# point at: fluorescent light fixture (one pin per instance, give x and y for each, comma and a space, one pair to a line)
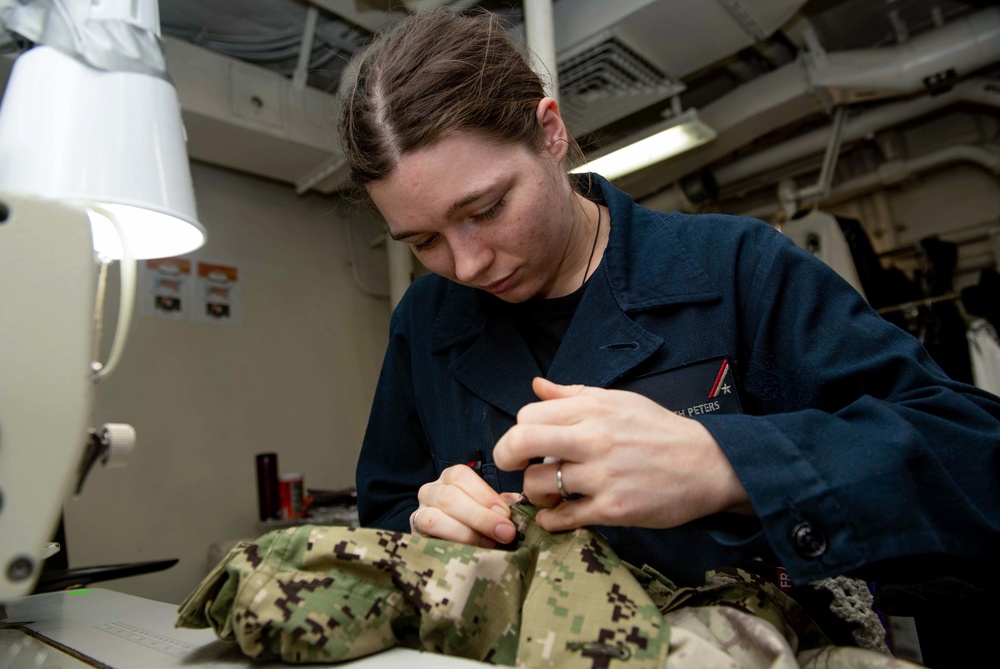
667, 139
109, 141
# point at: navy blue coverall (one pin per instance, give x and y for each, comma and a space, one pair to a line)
852, 444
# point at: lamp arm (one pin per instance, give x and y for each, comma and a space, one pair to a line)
126, 303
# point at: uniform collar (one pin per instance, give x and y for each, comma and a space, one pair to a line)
653, 280
643, 267
645, 262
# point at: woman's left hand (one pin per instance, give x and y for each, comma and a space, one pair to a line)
634, 462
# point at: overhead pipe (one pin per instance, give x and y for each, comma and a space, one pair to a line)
540, 32
822, 187
922, 63
895, 172
796, 91
983, 156
335, 167
976, 91
928, 60
426, 5
790, 195
305, 49
685, 195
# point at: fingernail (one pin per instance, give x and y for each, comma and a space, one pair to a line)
501, 510
505, 532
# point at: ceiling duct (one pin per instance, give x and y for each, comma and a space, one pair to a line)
801, 90
616, 58
760, 166
251, 119
594, 81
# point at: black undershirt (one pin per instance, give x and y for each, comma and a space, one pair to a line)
543, 324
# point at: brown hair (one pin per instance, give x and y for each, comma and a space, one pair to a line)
433, 74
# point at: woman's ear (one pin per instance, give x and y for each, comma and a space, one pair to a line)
553, 128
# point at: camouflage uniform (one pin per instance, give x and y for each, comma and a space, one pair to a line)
326, 594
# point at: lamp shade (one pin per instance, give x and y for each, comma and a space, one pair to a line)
74, 133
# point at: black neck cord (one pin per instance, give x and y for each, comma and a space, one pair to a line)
597, 236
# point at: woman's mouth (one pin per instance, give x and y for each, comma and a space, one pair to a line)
501, 286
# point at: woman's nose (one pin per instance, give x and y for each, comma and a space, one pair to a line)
472, 257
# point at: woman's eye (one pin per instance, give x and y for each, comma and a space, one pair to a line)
426, 243
491, 212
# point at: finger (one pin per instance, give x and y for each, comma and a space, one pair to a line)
563, 405
455, 502
542, 500
512, 498
522, 443
540, 483
570, 515
436, 523
476, 488
547, 390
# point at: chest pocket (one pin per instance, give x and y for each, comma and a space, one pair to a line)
697, 389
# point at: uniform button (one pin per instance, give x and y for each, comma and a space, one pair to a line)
810, 541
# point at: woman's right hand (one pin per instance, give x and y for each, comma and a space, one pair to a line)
460, 506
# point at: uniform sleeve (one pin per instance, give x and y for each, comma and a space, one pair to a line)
867, 451
395, 458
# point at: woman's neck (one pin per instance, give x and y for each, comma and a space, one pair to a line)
584, 247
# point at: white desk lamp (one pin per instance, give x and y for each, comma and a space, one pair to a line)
93, 167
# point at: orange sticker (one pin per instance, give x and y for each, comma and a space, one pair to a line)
170, 265
218, 272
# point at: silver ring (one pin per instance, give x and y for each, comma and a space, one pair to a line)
559, 483
416, 525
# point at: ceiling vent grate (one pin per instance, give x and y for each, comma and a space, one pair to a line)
609, 70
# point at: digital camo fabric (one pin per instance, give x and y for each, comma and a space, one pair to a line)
320, 594
328, 594
314, 594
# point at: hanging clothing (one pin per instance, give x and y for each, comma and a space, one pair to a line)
866, 262
984, 349
943, 329
819, 233
982, 299
328, 594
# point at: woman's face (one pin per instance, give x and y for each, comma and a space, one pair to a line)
488, 215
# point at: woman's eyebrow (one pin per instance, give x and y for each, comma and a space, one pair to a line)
457, 206
402, 235
472, 197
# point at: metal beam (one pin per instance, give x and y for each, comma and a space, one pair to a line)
372, 15
305, 50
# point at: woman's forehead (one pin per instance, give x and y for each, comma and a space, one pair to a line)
436, 180
457, 146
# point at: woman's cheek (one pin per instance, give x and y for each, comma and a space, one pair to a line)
437, 260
